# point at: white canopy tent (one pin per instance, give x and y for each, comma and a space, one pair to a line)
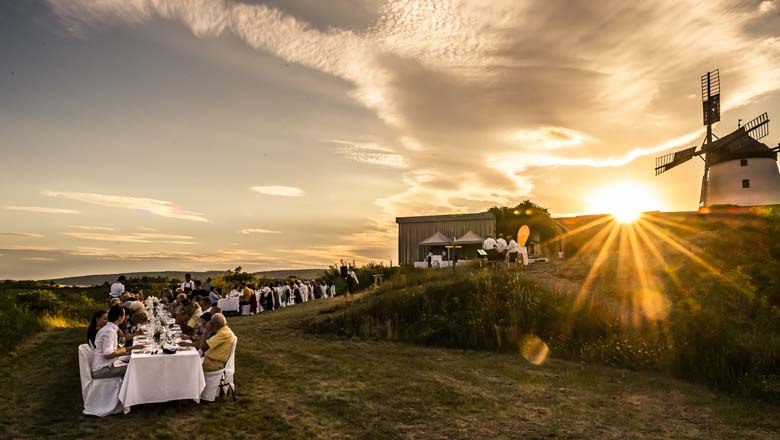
437, 239
470, 238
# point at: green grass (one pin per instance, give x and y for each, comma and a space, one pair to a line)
296, 385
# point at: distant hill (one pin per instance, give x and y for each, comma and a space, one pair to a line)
92, 280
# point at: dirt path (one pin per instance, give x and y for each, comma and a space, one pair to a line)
294, 385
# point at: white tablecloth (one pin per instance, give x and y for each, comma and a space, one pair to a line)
228, 304
162, 377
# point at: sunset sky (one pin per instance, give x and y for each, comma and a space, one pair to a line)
205, 134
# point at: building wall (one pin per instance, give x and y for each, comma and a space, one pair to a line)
725, 183
409, 234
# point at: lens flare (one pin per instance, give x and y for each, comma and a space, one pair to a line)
625, 201
534, 350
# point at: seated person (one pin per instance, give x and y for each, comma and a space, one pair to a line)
184, 314
107, 347
214, 296
218, 346
137, 322
99, 319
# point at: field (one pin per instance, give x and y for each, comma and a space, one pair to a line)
296, 385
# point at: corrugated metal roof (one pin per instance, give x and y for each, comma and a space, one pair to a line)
445, 218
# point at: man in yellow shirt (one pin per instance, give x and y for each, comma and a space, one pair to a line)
219, 345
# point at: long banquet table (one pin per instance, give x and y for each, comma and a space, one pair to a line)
229, 305
153, 378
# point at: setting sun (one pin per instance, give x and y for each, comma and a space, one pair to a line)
625, 201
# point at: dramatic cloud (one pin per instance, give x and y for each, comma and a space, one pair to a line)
278, 190
251, 231
41, 210
145, 205
466, 84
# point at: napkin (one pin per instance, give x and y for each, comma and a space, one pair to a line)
170, 348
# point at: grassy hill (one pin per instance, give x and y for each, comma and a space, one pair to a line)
295, 385
697, 297
93, 280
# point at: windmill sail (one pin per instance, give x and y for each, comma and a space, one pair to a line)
758, 127
710, 96
671, 160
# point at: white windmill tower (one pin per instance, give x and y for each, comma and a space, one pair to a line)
738, 169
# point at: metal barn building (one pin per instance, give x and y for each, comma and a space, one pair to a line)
413, 230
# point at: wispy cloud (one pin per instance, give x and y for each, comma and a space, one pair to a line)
41, 209
92, 228
38, 259
371, 154
250, 231
146, 205
767, 6
21, 234
549, 138
278, 190
133, 238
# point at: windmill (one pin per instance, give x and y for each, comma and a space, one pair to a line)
738, 169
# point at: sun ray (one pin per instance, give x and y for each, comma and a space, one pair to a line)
672, 241
582, 228
600, 258
672, 223
656, 253
597, 238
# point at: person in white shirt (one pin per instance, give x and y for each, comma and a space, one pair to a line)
501, 248
234, 293
304, 291
489, 246
332, 289
512, 250
188, 285
107, 347
118, 288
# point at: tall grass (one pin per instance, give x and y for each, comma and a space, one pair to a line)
25, 312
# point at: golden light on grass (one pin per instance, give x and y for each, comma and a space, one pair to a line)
625, 201
534, 350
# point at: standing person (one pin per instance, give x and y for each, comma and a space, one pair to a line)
304, 291
253, 309
352, 280
489, 246
107, 346
501, 249
512, 250
188, 285
332, 289
118, 288
296, 293
266, 297
207, 285
429, 258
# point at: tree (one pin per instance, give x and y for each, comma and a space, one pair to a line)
536, 217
